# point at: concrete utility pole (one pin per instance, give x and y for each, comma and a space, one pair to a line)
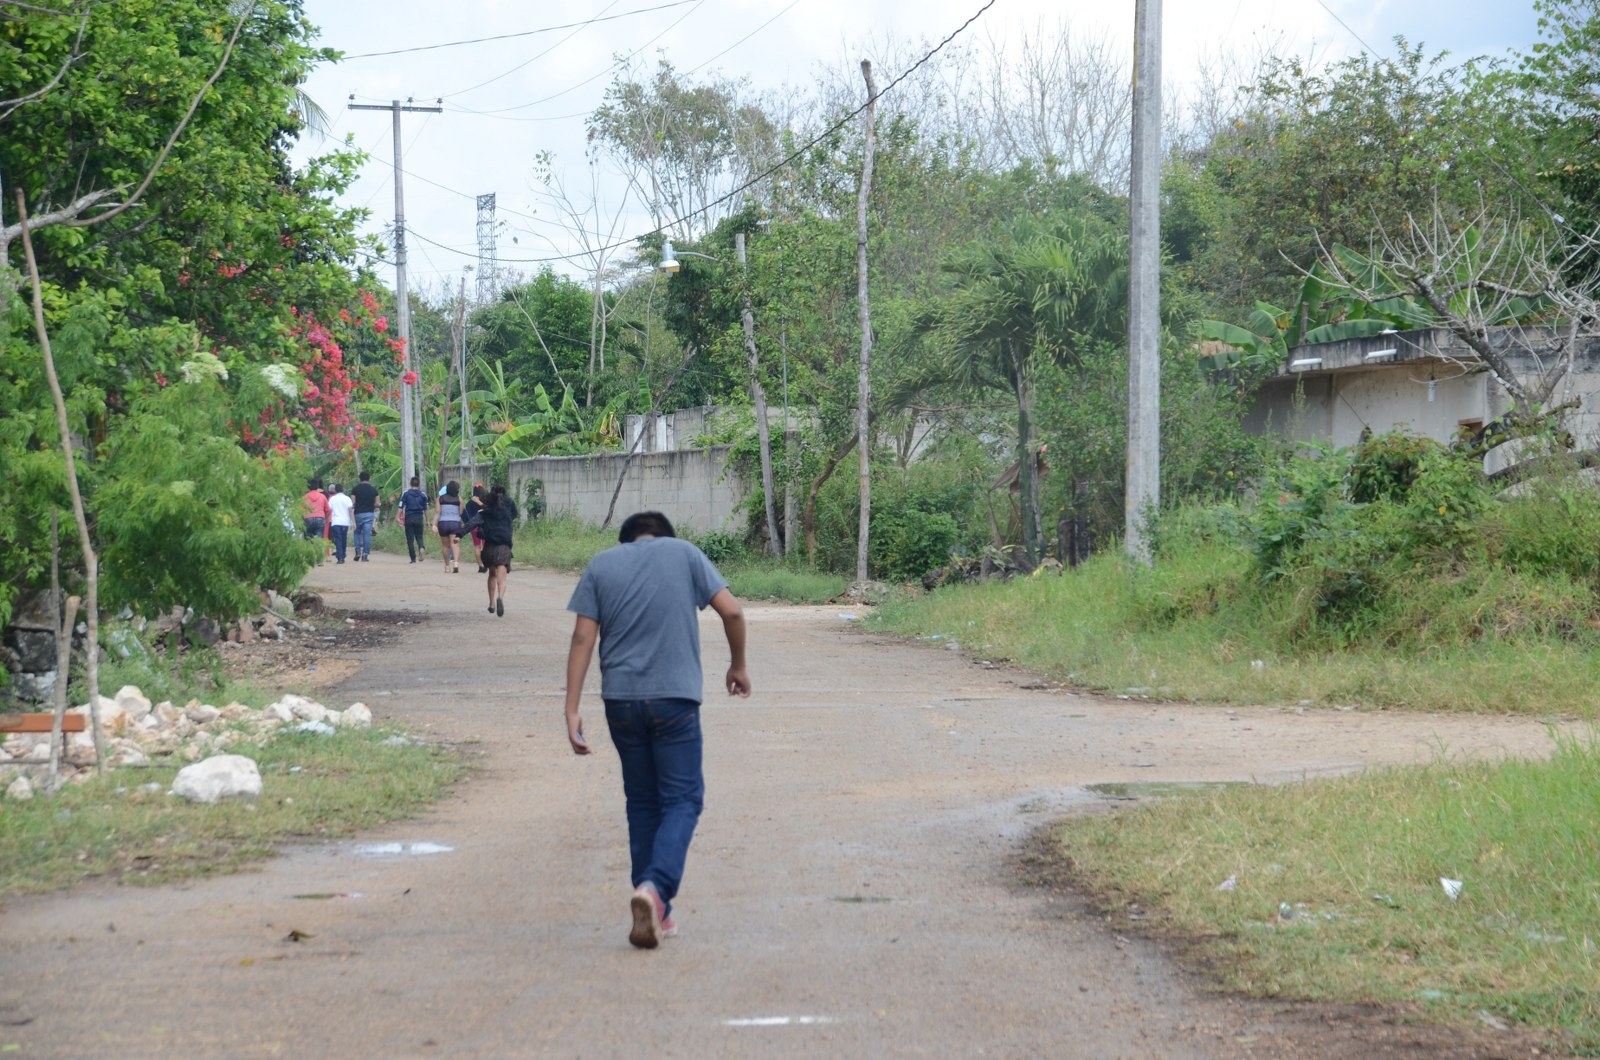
864, 309
410, 406
1144, 285
758, 396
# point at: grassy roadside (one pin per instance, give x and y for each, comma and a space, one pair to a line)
314, 788
1336, 890
1185, 632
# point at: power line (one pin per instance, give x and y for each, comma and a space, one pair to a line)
1346, 26
528, 61
744, 38
520, 33
573, 88
759, 177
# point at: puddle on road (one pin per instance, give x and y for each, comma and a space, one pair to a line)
1159, 789
395, 850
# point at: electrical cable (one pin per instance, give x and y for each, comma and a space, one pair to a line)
573, 88
526, 62
759, 177
521, 33
744, 38
1369, 48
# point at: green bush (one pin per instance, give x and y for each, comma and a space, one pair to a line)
907, 543
720, 547
1385, 465
907, 537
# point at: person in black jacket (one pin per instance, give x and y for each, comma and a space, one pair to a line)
497, 522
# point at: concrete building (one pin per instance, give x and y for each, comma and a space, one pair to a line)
1427, 382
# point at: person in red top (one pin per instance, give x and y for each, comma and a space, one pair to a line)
315, 504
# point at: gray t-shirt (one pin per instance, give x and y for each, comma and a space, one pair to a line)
645, 596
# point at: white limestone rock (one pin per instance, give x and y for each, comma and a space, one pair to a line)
356, 716
202, 713
280, 712
19, 790
135, 705
217, 778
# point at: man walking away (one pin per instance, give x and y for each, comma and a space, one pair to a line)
414, 505
365, 496
640, 600
341, 515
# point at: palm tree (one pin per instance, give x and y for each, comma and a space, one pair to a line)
1041, 291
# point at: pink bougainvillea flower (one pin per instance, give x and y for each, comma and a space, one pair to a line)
380, 325
409, 379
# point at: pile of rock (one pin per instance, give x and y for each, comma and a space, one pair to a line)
137, 732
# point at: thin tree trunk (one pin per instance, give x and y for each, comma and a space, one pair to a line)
611, 509
809, 519
864, 380
66, 611
758, 395
1027, 487
91, 562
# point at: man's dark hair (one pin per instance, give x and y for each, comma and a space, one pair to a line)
644, 524
415, 481
366, 476
313, 483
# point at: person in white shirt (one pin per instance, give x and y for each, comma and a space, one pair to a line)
341, 517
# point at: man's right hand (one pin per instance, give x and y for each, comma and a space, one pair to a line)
738, 682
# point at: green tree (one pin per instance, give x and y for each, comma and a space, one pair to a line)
1047, 294
228, 261
1335, 157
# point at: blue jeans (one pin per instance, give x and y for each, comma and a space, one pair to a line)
659, 743
339, 535
313, 527
364, 521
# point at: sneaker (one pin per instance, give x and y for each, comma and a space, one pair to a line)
668, 928
646, 906
482, 569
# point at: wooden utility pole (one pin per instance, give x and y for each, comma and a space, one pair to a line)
410, 405
758, 395
1143, 495
864, 379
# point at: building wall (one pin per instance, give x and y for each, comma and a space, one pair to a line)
1382, 383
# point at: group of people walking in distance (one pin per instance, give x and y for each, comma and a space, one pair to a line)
486, 517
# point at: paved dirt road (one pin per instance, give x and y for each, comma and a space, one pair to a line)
850, 891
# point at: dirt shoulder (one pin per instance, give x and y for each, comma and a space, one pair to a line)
855, 886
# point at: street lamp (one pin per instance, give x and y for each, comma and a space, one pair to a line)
669, 258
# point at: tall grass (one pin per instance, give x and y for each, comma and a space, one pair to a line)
1202, 626
1337, 893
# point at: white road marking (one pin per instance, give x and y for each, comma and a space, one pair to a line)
777, 1021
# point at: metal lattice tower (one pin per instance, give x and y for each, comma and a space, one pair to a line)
488, 266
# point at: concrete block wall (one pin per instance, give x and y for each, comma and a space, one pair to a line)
692, 487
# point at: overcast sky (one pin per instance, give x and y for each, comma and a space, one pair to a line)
507, 99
